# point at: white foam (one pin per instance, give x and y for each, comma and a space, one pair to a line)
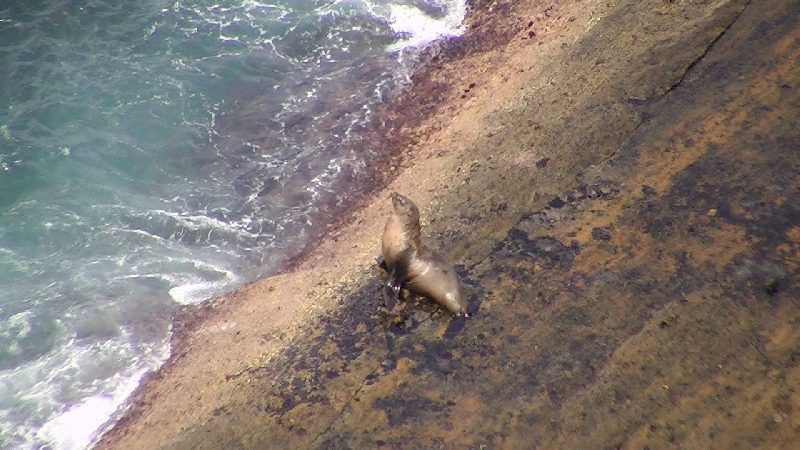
203, 222
421, 29
190, 293
189, 289
76, 428
45, 388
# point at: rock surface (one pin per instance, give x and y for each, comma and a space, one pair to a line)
618, 184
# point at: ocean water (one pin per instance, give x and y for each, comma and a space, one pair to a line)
158, 153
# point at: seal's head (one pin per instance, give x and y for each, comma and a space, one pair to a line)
405, 207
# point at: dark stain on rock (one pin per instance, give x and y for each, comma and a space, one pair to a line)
582, 192
576, 316
300, 377
713, 187
764, 277
648, 192
405, 407
545, 250
601, 234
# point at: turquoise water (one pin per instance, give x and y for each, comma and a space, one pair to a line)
158, 153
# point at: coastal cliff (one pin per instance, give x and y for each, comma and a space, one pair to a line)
618, 184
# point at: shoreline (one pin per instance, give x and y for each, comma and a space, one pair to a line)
393, 131
406, 109
529, 144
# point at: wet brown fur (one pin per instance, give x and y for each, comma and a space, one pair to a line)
425, 272
401, 236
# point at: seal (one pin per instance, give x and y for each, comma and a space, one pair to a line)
401, 241
414, 266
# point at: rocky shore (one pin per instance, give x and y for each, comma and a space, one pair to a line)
618, 183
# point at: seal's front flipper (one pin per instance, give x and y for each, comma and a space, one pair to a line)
391, 287
389, 300
396, 278
391, 291
396, 290
389, 296
382, 263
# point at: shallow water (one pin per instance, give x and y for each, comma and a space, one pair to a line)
159, 153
